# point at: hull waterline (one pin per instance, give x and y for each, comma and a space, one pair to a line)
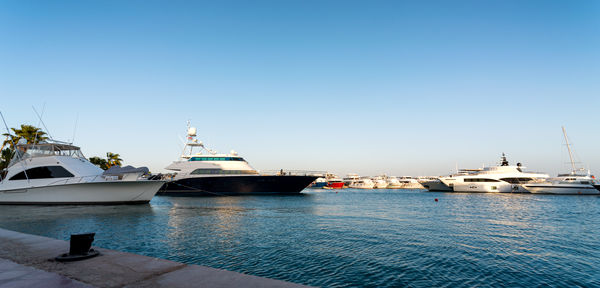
110, 192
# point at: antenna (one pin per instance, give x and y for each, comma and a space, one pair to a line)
16, 151
7, 130
37, 131
570, 152
75, 128
40, 117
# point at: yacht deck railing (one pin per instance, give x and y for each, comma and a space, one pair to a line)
75, 180
283, 172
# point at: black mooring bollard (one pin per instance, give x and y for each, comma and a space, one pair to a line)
81, 243
79, 248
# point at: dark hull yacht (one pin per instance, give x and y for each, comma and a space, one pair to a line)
208, 173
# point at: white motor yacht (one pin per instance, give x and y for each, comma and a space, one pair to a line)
570, 184
379, 182
409, 183
502, 178
434, 184
362, 183
393, 183
54, 172
350, 179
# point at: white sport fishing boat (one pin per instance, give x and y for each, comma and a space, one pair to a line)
55, 172
568, 184
502, 178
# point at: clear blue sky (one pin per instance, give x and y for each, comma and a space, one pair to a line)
396, 87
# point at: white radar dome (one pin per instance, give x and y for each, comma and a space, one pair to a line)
192, 131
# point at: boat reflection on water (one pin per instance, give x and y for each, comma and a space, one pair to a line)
223, 216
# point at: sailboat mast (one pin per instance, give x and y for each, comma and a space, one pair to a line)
570, 152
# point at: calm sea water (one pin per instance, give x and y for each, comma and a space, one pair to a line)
377, 238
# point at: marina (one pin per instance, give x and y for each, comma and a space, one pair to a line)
359, 231
299, 144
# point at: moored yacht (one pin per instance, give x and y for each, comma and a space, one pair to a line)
207, 172
379, 182
328, 181
572, 183
409, 183
435, 185
501, 178
333, 181
320, 182
55, 172
362, 183
393, 183
350, 179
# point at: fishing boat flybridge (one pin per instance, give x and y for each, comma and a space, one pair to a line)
206, 173
54, 172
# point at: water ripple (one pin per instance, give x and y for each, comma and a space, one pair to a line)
353, 238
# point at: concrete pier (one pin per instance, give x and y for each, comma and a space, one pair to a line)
27, 261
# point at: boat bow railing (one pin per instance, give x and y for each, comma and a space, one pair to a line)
282, 172
75, 180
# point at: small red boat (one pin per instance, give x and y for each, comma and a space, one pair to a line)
335, 184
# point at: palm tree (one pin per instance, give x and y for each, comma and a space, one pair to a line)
5, 157
30, 133
113, 159
99, 162
10, 140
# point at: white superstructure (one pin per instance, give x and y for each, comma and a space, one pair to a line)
501, 178
362, 183
407, 182
350, 179
198, 161
379, 182
393, 183
54, 172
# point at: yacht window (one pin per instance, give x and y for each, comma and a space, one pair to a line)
516, 180
43, 173
219, 171
480, 180
216, 159
585, 182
